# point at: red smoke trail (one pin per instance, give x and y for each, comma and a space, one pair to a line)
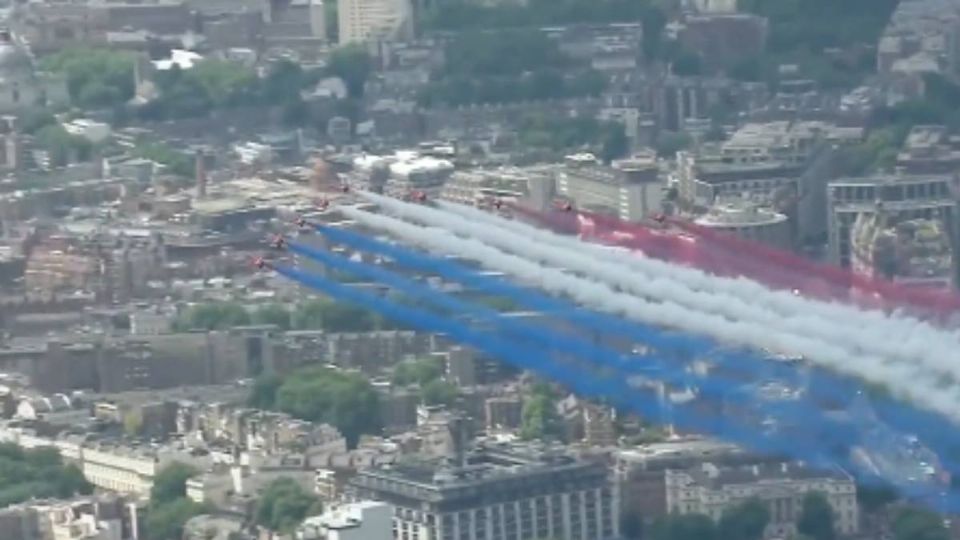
784, 270
557, 221
894, 294
725, 255
690, 250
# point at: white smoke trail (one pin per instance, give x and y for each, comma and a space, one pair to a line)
873, 332
901, 379
890, 343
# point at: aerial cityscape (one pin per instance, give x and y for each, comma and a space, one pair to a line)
479, 269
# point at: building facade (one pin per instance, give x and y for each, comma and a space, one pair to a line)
903, 197
502, 493
711, 491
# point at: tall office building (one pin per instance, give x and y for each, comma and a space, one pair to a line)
361, 21
502, 492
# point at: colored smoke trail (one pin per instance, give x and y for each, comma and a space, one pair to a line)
651, 367
709, 256
868, 332
685, 249
616, 390
804, 270
824, 386
899, 377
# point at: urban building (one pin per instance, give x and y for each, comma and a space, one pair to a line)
929, 150
101, 517
711, 490
498, 491
921, 32
481, 187
903, 197
503, 413
915, 252
749, 221
362, 21
640, 472
631, 189
365, 520
785, 164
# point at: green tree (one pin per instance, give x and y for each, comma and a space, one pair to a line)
213, 316
344, 400
263, 393
420, 371
816, 517
874, 498
615, 143
175, 162
95, 77
803, 32
332, 316
539, 419
687, 64
746, 521
684, 527
170, 483
63, 147
284, 505
504, 66
34, 120
133, 423
36, 474
439, 392
631, 525
919, 524
461, 15
668, 144
283, 83
353, 64
166, 521
275, 314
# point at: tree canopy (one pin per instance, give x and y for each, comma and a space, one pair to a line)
171, 483
746, 521
607, 139
464, 14
420, 371
96, 77
919, 524
283, 505
353, 64
816, 517
318, 394
539, 418
807, 33
62, 146
332, 316
175, 162
166, 521
684, 527
40, 473
213, 316
439, 392
275, 314
504, 66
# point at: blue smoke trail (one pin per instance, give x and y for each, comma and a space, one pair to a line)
829, 387
842, 433
616, 390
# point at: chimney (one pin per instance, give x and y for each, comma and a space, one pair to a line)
201, 174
